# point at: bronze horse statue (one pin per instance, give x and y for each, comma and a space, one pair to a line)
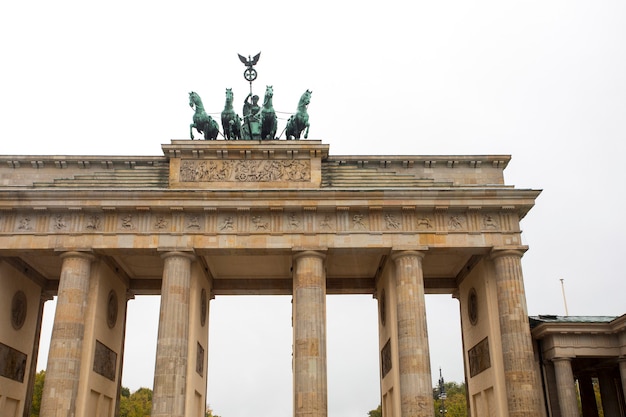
202, 122
299, 121
231, 123
269, 122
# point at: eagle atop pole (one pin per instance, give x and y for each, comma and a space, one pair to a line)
250, 73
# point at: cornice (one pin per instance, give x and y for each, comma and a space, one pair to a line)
475, 198
544, 330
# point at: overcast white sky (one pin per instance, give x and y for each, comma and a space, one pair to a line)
543, 81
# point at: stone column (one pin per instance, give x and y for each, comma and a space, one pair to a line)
170, 372
622, 373
35, 354
416, 395
309, 335
608, 392
517, 349
66, 344
551, 391
587, 396
566, 387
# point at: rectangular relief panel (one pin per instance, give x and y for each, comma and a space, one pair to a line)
12, 363
104, 361
479, 358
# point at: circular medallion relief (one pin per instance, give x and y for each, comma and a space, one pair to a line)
112, 309
383, 307
203, 307
18, 310
472, 306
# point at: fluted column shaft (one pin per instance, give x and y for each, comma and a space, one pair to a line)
309, 334
66, 344
566, 387
517, 350
170, 373
416, 395
587, 396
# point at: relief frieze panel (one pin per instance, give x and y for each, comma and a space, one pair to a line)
245, 220
245, 171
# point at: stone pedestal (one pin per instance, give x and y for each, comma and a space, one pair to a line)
170, 373
66, 345
566, 387
517, 350
309, 335
416, 398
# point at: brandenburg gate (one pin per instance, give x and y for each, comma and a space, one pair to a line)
213, 218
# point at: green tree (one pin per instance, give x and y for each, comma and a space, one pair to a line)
378, 412
209, 412
37, 393
137, 404
455, 402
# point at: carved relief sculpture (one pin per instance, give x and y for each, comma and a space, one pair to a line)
259, 224
424, 222
93, 222
245, 171
391, 221
455, 223
489, 222
357, 221
160, 223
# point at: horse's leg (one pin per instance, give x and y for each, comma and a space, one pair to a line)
306, 134
288, 128
191, 126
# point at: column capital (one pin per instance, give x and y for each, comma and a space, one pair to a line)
319, 253
400, 253
169, 254
561, 359
78, 254
499, 251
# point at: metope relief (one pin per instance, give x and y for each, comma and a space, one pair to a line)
489, 222
456, 222
294, 222
227, 224
392, 222
326, 222
359, 221
93, 222
260, 224
25, 224
192, 222
127, 222
424, 223
59, 222
160, 222
246, 171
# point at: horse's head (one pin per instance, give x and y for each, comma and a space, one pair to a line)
229, 95
306, 98
269, 93
194, 99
